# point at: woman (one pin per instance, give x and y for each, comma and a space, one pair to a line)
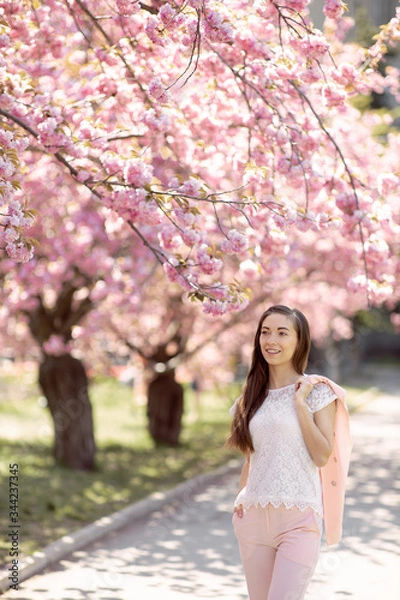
293, 430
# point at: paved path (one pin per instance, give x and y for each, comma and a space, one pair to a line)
367, 565
187, 548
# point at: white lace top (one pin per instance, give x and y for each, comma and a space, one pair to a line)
281, 468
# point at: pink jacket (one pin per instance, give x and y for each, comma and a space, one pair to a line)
334, 473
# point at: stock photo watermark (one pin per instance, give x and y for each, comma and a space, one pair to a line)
14, 525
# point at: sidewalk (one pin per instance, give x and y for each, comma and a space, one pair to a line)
367, 564
186, 548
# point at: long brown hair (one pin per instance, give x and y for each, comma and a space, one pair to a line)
257, 381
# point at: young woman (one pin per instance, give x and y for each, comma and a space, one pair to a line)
293, 430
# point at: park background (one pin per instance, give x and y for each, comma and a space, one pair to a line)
100, 337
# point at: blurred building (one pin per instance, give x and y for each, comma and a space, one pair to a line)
378, 11
368, 16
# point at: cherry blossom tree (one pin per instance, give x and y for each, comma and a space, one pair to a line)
203, 124
15, 218
215, 139
76, 264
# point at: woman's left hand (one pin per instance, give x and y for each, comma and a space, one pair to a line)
302, 389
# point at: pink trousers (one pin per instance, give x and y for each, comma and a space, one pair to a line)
279, 549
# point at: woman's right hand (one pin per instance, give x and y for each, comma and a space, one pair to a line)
238, 510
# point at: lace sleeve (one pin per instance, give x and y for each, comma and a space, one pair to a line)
321, 396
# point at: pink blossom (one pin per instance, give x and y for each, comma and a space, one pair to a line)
6, 138
297, 5
206, 261
347, 203
342, 328
346, 74
6, 191
305, 223
377, 251
333, 9
77, 58
215, 308
343, 26
357, 283
196, 3
106, 57
48, 126
191, 187
185, 218
125, 202
246, 118
149, 212
380, 291
112, 163
219, 291
235, 242
395, 319
171, 270
160, 120
137, 172
152, 31
56, 346
216, 28
128, 7
83, 175
158, 91
4, 40
283, 165
311, 74
169, 237
333, 96
7, 169
19, 252
14, 216
191, 26
107, 86
190, 237
387, 182
238, 303
313, 46
86, 130
11, 234
249, 269
167, 14
51, 135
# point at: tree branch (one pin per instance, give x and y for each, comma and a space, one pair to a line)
348, 171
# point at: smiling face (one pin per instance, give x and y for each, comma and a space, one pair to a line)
278, 340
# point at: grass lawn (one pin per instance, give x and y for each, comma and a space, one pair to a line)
54, 501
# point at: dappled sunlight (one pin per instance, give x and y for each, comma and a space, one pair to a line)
56, 500
373, 508
187, 548
372, 514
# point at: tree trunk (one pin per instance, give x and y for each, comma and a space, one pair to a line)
65, 385
165, 408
